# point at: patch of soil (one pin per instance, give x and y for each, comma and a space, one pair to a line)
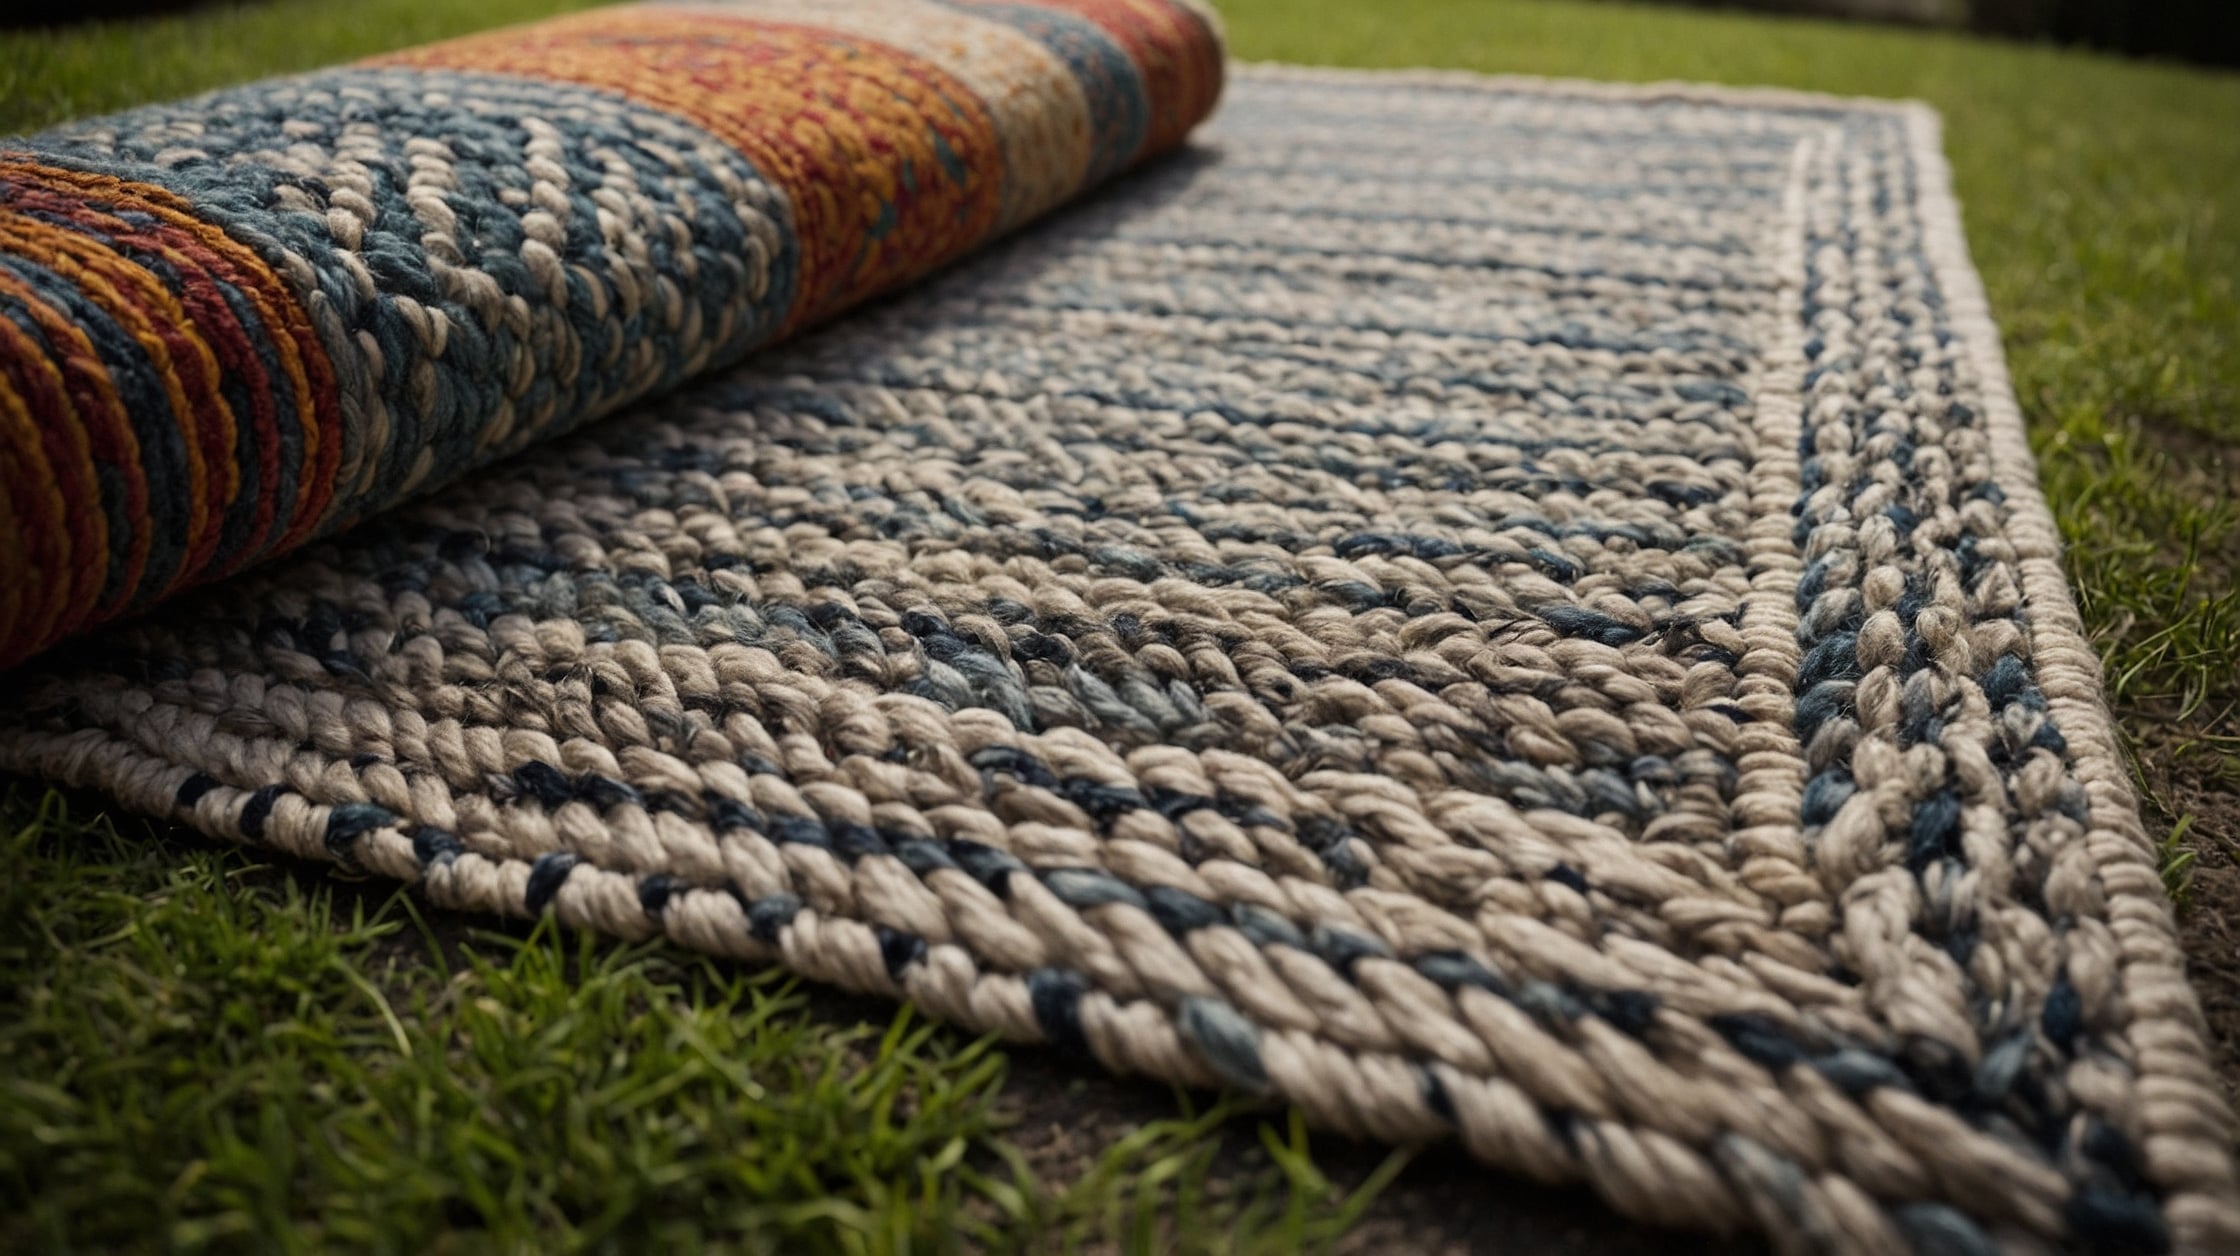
2191, 449
2185, 778
2187, 764
2204, 468
1442, 1204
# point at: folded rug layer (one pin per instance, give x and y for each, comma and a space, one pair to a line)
242, 321
1497, 610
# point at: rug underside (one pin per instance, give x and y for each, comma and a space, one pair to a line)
1489, 610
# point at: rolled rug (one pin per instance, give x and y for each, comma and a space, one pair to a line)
239, 322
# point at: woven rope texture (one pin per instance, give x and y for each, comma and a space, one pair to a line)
1493, 611
247, 320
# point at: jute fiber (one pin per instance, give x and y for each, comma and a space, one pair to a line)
238, 323
1494, 611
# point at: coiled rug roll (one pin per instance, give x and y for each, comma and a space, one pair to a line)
247, 320
1491, 610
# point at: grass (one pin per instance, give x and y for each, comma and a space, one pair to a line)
197, 1049
204, 1051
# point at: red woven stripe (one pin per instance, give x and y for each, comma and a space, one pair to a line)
1179, 59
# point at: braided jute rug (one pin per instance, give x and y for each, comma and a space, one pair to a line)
1492, 610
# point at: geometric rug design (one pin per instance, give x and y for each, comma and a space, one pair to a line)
1493, 610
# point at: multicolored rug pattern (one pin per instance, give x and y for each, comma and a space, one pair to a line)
240, 322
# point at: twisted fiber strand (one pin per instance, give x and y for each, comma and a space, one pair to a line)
2188, 1129
1300, 677
254, 318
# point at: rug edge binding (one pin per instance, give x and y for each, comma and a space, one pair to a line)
2196, 1172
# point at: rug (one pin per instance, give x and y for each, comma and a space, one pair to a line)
1499, 612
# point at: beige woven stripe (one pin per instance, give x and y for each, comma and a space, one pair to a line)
1037, 104
2177, 1108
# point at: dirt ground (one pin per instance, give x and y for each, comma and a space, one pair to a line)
1442, 1204
2200, 783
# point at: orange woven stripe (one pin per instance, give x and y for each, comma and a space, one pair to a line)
1180, 62
196, 248
99, 413
24, 507
893, 165
140, 304
70, 530
287, 328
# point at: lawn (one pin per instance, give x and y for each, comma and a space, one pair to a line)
199, 1048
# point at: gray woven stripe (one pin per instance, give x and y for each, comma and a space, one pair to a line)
1488, 610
